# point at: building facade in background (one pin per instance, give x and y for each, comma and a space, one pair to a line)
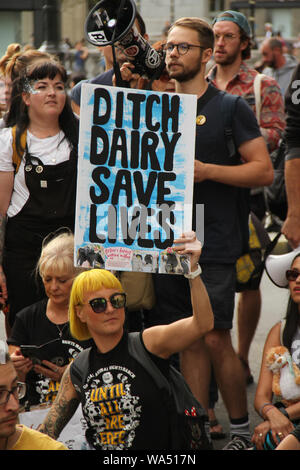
23, 21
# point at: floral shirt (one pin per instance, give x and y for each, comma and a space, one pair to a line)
272, 115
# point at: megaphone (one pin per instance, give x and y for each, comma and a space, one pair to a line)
277, 265
112, 22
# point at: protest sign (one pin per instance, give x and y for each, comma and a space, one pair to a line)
135, 178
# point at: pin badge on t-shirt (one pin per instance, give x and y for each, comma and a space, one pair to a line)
200, 120
39, 169
28, 168
43, 184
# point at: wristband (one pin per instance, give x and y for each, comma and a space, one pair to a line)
262, 407
270, 405
194, 274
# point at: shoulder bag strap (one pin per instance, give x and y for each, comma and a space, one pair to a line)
15, 157
257, 94
137, 350
80, 367
228, 104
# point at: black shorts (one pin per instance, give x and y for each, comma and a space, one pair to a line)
173, 300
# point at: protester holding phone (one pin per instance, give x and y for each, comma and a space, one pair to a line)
45, 324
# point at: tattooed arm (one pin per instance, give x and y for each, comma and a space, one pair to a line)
63, 408
6, 187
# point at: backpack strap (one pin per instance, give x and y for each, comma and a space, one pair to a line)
79, 367
136, 349
228, 105
15, 157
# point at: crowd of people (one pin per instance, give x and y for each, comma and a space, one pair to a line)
49, 303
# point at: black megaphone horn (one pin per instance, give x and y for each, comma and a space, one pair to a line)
111, 22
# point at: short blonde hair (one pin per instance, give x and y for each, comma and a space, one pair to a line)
57, 256
88, 281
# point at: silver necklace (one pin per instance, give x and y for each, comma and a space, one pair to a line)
61, 330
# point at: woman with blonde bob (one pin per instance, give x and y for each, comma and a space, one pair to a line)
117, 394
88, 281
46, 323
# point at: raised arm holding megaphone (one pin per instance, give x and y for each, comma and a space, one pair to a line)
111, 22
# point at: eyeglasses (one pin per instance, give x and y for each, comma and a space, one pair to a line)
18, 392
292, 274
182, 48
117, 300
228, 37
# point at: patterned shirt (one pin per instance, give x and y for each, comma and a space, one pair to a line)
272, 115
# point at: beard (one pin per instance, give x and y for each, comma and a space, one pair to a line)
228, 58
184, 74
270, 63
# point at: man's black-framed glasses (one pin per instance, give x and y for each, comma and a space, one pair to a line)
18, 391
182, 48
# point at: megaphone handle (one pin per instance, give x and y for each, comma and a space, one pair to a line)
119, 80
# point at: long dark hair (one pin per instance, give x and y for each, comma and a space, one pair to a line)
292, 320
18, 113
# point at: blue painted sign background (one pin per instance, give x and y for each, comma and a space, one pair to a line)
135, 178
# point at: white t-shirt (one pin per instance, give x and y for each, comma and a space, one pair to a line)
51, 151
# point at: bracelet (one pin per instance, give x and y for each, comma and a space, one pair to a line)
194, 274
271, 406
262, 407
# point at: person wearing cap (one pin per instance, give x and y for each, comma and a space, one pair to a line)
14, 436
233, 75
279, 420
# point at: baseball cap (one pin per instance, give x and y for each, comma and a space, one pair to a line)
237, 18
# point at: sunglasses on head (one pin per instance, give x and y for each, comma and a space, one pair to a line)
117, 300
292, 274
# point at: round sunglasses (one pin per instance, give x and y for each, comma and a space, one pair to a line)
99, 304
292, 274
